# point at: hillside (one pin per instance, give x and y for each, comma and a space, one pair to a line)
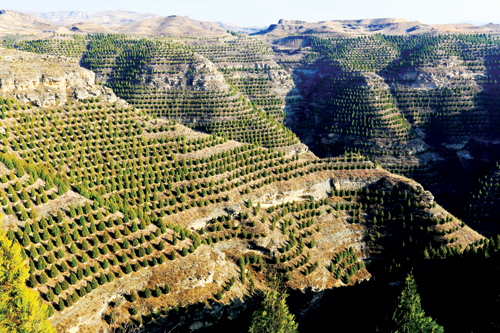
429, 115
14, 22
175, 172
492, 26
82, 27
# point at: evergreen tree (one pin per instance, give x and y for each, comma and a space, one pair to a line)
147, 293
94, 284
26, 240
69, 301
157, 292
43, 278
409, 317
53, 271
50, 295
133, 296
162, 259
273, 315
103, 279
73, 279
61, 304
33, 283
57, 289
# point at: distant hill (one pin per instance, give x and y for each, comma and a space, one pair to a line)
478, 23
108, 22
390, 26
15, 22
57, 16
237, 28
129, 22
492, 26
17, 19
89, 27
104, 18
172, 26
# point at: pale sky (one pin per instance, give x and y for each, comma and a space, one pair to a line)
265, 12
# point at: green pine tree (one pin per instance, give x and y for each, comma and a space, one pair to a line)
409, 317
50, 295
133, 296
157, 292
273, 315
33, 283
61, 304
147, 293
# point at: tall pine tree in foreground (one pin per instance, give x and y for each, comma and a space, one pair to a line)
273, 316
409, 316
21, 309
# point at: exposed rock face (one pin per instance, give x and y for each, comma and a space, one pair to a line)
443, 76
46, 81
200, 76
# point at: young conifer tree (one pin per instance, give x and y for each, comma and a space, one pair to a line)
273, 316
409, 316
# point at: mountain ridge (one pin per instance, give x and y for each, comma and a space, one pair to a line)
390, 26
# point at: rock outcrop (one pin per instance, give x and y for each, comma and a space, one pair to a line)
450, 72
47, 81
201, 75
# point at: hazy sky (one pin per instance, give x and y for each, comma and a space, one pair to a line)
265, 12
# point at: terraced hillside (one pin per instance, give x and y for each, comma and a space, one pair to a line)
107, 198
419, 105
480, 205
224, 86
170, 201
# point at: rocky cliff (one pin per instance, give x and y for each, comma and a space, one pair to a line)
47, 81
